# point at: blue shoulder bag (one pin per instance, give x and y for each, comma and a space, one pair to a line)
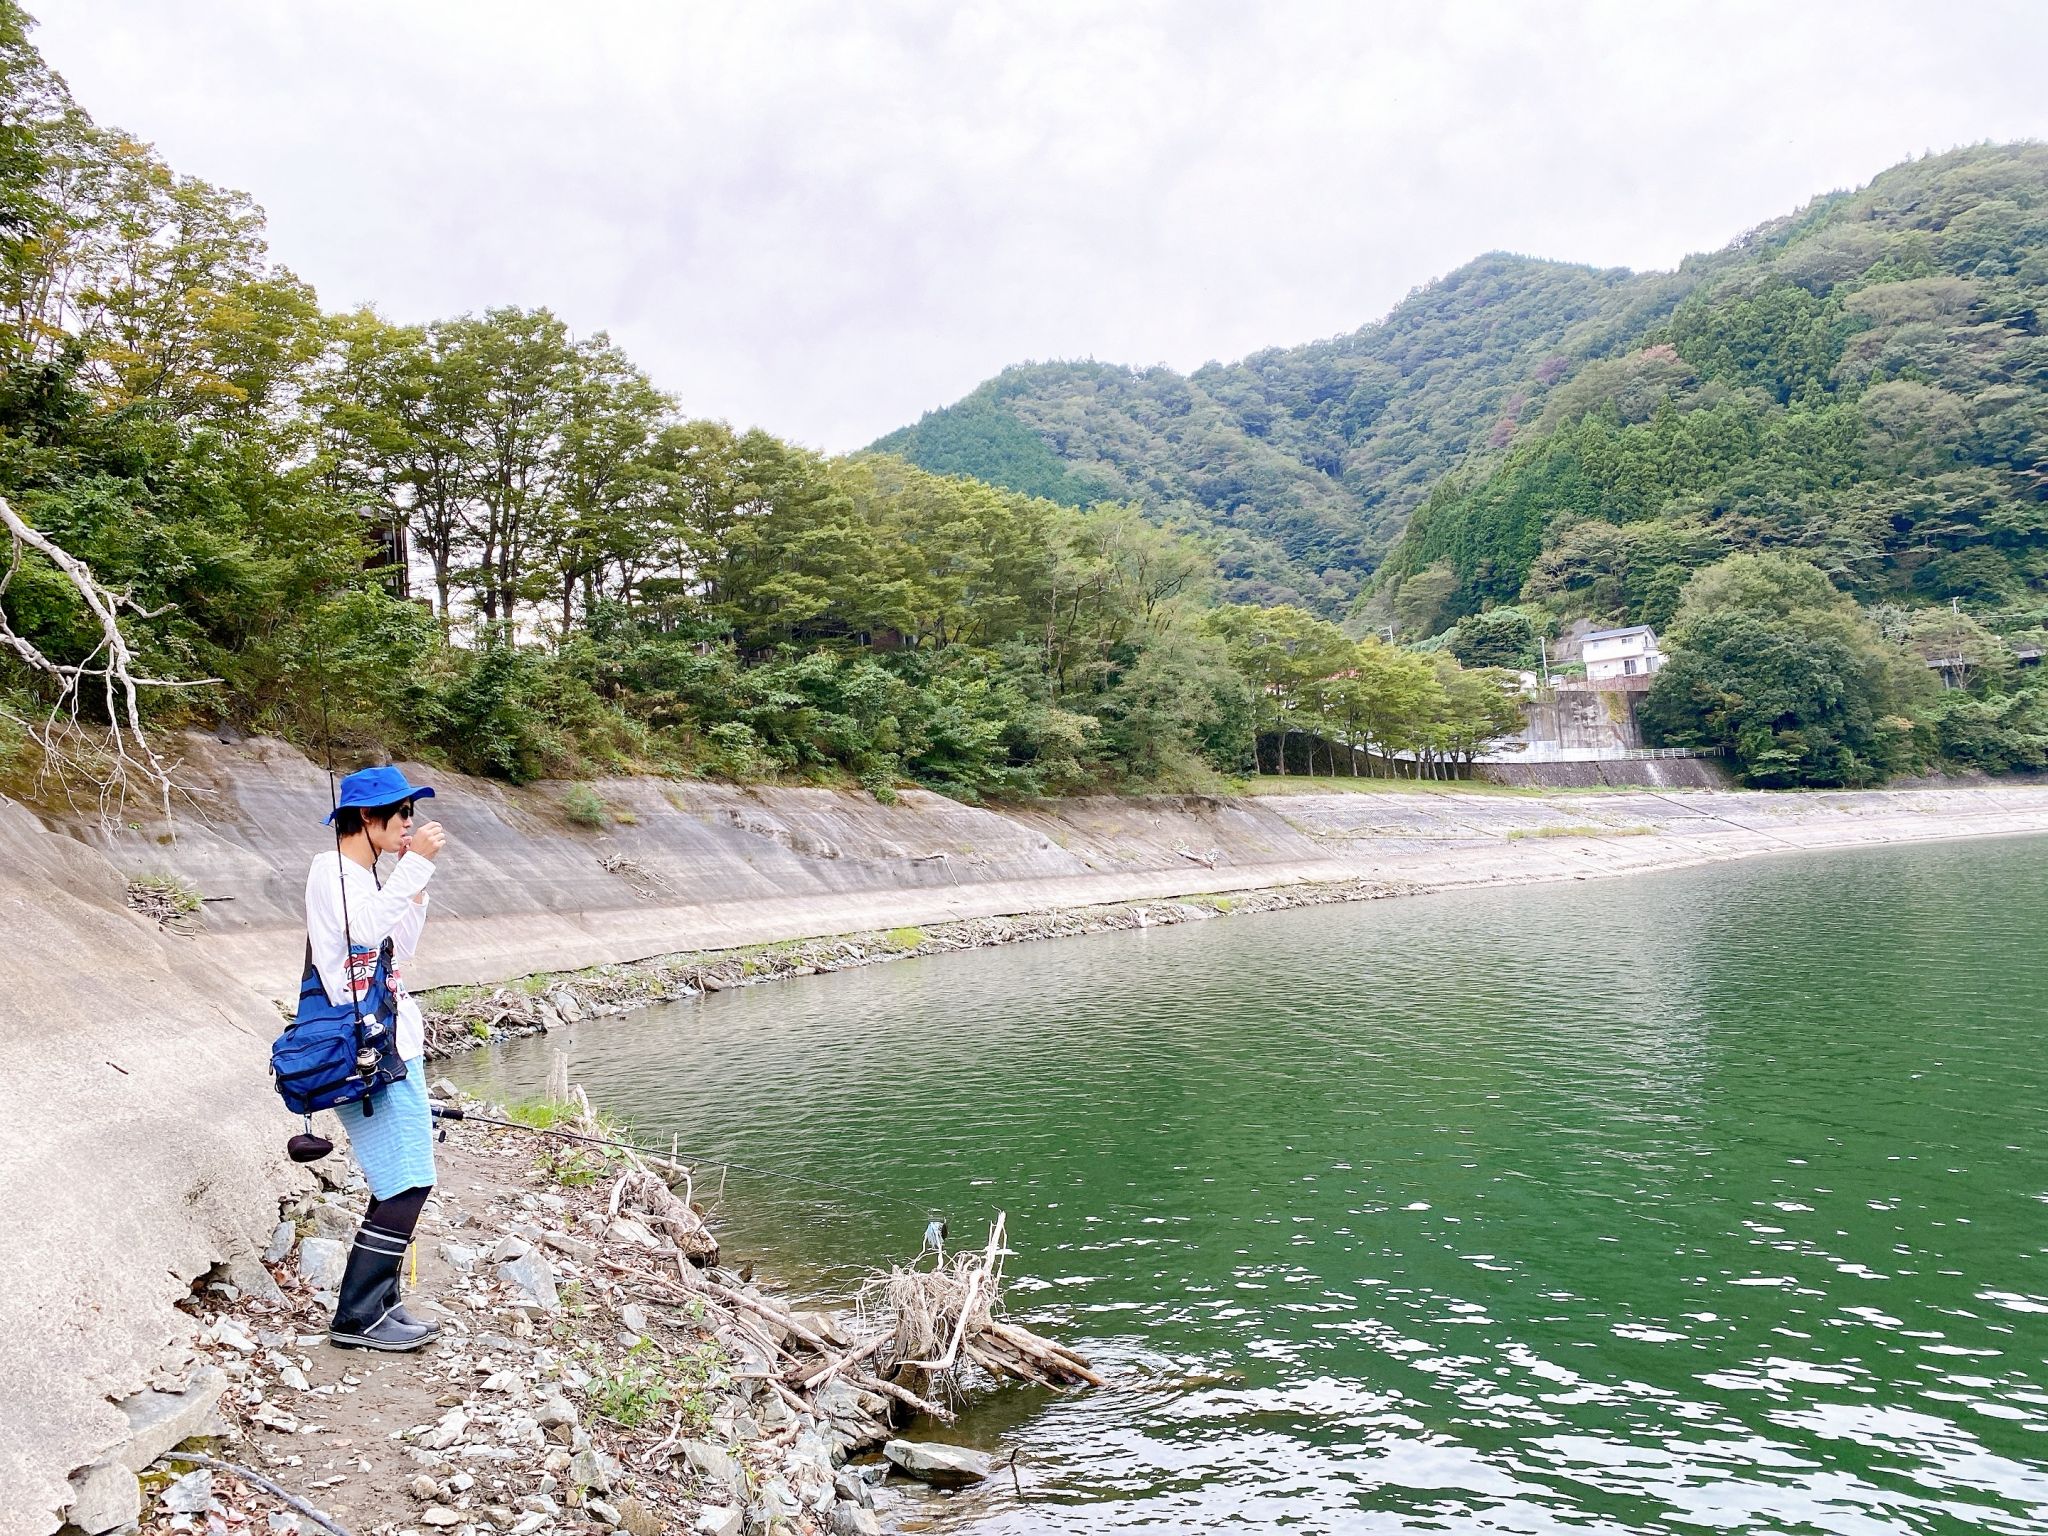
338, 1053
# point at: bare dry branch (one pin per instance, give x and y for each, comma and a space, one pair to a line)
115, 756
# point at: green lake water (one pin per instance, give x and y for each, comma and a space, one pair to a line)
1709, 1200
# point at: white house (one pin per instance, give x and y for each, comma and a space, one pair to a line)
1630, 652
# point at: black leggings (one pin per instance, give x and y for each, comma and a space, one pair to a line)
400, 1213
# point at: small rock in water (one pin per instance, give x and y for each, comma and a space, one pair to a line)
943, 1466
852, 1520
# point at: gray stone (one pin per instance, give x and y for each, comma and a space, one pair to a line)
775, 1502
104, 1498
720, 1522
851, 1488
943, 1466
566, 1005
330, 1218
715, 1466
446, 1431
749, 1356
809, 1463
249, 1276
633, 1317
281, 1242
532, 1280
577, 1248
592, 1468
853, 1520
161, 1421
600, 1510
444, 1090
555, 1410
191, 1494
322, 1262
229, 1332
457, 1257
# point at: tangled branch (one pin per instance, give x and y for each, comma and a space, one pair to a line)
115, 757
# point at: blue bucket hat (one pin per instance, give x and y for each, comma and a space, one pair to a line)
378, 786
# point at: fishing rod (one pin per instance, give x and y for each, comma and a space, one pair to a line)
455, 1112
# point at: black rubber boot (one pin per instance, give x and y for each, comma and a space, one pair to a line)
427, 1325
366, 1312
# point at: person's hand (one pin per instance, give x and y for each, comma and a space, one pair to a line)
427, 839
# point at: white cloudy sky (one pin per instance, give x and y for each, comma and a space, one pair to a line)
825, 218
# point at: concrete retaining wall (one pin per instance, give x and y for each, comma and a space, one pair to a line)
140, 1144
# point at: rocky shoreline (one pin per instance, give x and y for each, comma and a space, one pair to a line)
590, 1381
462, 1018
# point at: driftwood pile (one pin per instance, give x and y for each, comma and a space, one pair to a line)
915, 1338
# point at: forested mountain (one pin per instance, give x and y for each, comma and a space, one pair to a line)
1864, 383
1861, 381
1299, 466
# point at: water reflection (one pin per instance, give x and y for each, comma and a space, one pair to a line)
1706, 1199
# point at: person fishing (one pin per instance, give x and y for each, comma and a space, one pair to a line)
350, 917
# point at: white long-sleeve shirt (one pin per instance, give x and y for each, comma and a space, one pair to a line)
375, 913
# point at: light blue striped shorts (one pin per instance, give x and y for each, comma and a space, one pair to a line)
395, 1146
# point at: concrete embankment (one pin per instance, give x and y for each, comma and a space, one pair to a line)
141, 1144
688, 866
138, 1149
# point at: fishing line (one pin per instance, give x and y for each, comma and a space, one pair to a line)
454, 1112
